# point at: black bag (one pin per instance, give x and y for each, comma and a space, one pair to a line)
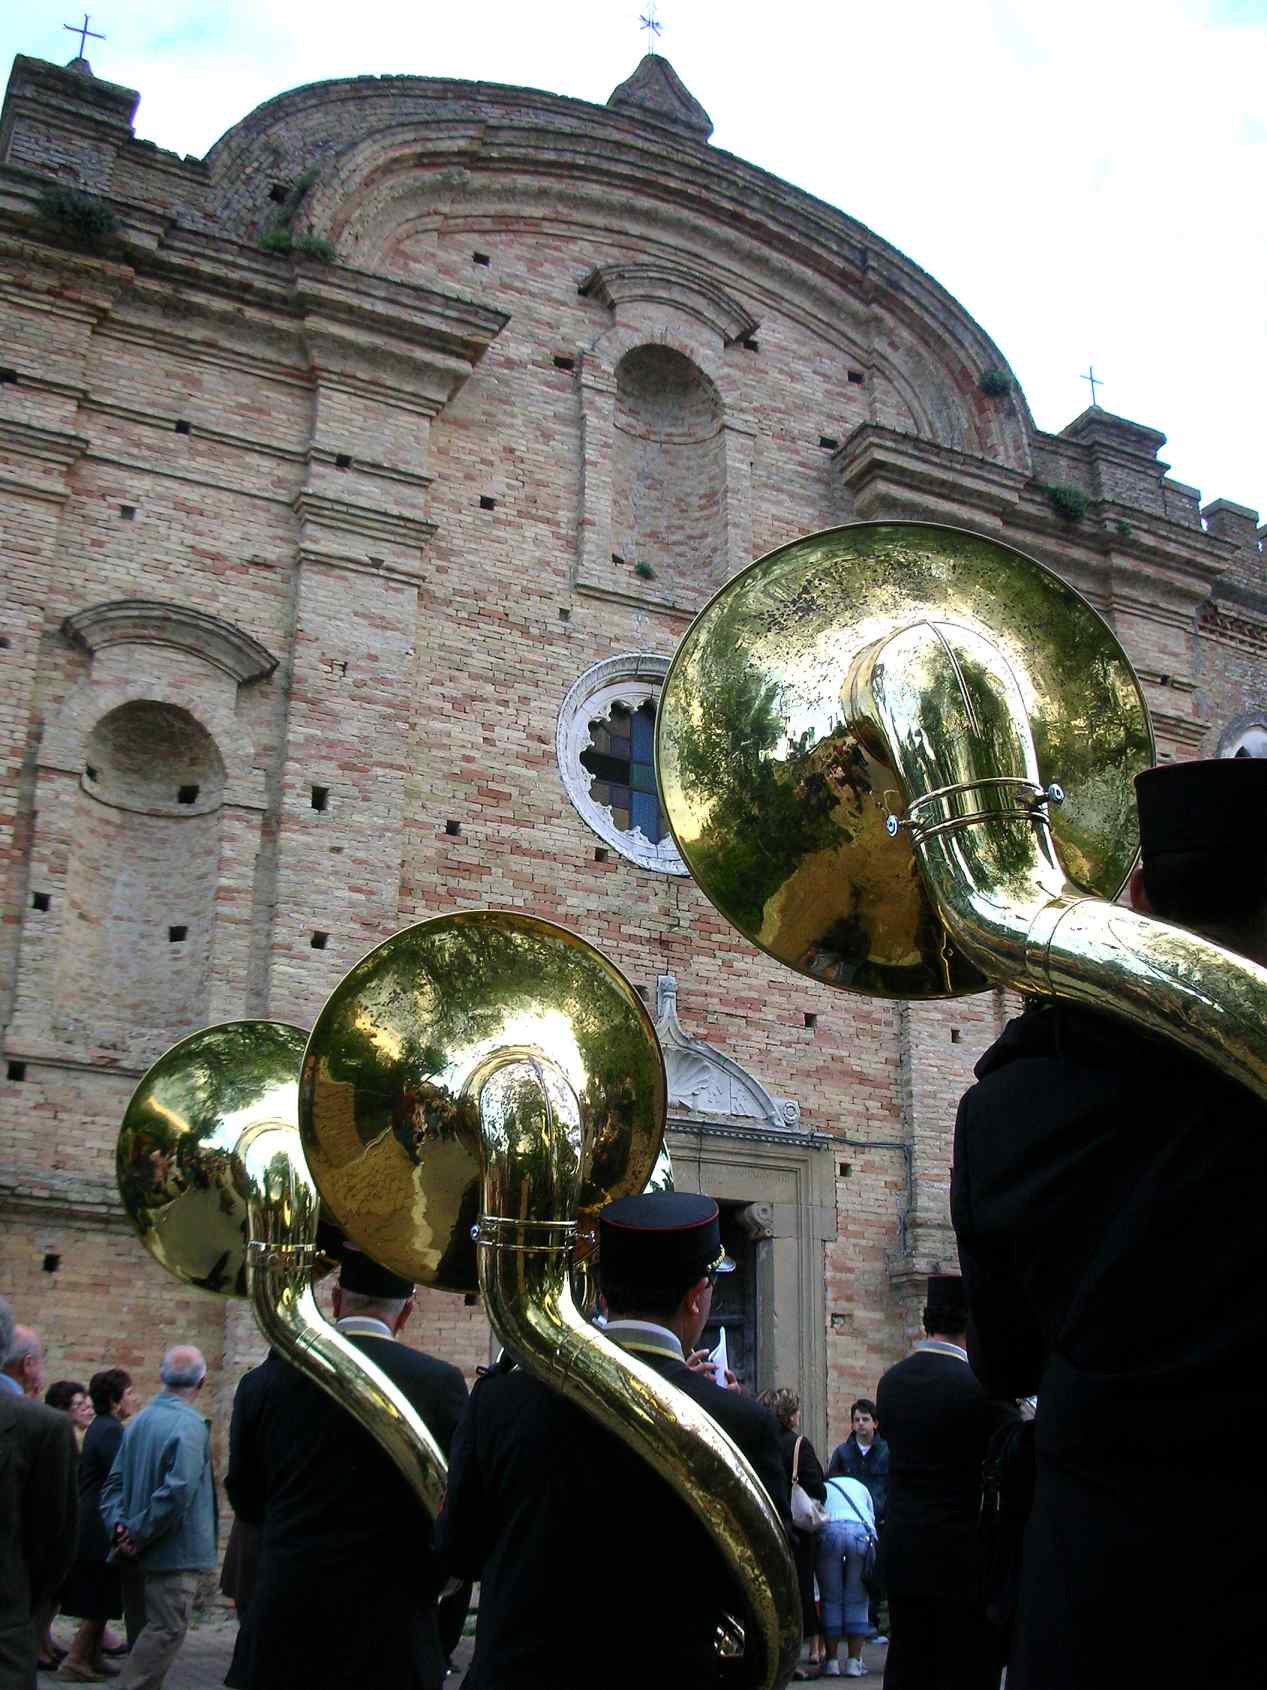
1007, 1496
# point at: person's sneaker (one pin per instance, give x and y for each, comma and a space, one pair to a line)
881, 1642
831, 1670
854, 1669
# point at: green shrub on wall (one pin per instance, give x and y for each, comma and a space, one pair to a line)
83, 219
1069, 503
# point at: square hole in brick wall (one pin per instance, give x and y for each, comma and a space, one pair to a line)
177, 935
187, 795
487, 502
342, 460
828, 442
811, 1019
16, 1071
52, 1261
601, 853
89, 772
846, 1169
750, 345
183, 427
481, 258
955, 1035
128, 512
278, 192
7, 375
452, 829
562, 362
5, 642
319, 941
320, 797
856, 378
41, 901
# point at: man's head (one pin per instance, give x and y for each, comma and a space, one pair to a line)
183, 1370
946, 1311
1202, 861
659, 1255
862, 1418
24, 1359
371, 1291
112, 1391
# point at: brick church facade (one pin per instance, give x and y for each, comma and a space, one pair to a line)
358, 482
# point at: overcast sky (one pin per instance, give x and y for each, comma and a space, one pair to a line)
1086, 177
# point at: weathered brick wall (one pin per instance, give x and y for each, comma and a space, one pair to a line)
393, 483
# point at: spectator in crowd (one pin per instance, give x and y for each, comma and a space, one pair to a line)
802, 1465
37, 1510
1102, 1197
24, 1370
99, 1590
159, 1506
72, 1398
938, 1421
864, 1456
845, 1545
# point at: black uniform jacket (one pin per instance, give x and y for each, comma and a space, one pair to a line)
345, 1589
1104, 1195
593, 1570
38, 1509
938, 1420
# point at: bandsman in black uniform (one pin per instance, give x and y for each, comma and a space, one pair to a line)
593, 1569
346, 1583
938, 1420
1104, 1193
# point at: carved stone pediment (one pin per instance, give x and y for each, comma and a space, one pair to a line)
704, 1082
674, 288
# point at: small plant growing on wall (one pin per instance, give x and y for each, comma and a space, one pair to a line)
994, 383
281, 236
1069, 503
1123, 529
82, 219
644, 571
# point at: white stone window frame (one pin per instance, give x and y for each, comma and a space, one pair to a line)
631, 678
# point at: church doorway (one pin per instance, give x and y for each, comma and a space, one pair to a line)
735, 1302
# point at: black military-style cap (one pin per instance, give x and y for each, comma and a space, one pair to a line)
660, 1238
1214, 808
947, 1302
362, 1274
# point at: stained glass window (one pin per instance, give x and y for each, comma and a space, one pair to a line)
621, 759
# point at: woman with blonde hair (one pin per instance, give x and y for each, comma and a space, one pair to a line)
803, 1465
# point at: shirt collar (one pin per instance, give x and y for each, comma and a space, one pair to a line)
363, 1326
647, 1337
10, 1384
942, 1347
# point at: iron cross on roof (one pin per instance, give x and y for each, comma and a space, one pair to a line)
1093, 379
83, 32
651, 24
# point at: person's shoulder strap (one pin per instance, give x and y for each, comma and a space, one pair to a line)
853, 1506
796, 1458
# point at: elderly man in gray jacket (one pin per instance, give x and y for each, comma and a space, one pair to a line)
159, 1504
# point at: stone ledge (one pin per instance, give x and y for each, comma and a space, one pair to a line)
150, 622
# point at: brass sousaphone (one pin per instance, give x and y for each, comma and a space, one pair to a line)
898, 757
213, 1179
473, 1092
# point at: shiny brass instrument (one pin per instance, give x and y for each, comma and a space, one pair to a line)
473, 1092
899, 757
213, 1178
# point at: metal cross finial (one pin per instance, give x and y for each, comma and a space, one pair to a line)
649, 22
1093, 379
82, 31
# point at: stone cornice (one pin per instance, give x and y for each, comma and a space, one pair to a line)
149, 622
674, 286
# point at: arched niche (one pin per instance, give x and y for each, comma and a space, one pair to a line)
141, 880
148, 813
668, 471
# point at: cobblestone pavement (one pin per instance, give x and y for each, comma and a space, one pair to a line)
204, 1658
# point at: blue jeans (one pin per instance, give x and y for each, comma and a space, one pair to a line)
841, 1547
